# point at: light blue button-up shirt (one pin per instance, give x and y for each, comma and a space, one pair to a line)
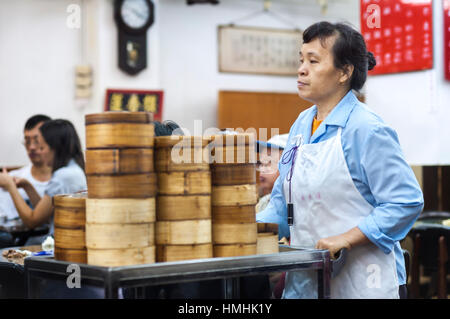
378, 169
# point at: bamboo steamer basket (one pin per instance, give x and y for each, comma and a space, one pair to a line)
72, 255
121, 257
120, 211
233, 214
119, 161
181, 153
234, 195
234, 233
233, 149
117, 236
119, 130
165, 253
69, 222
184, 183
122, 186
172, 208
267, 242
69, 238
234, 250
183, 232
233, 174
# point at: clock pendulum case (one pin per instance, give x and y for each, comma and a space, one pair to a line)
133, 18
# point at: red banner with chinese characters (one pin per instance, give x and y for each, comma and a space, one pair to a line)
447, 38
399, 33
135, 101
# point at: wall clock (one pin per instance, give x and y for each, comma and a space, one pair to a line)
133, 18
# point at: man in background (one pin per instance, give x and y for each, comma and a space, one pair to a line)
269, 155
37, 173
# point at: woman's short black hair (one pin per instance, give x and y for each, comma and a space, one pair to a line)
63, 139
349, 49
166, 128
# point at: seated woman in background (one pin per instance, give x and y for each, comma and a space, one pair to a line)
60, 148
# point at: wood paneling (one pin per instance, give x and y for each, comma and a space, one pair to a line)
259, 110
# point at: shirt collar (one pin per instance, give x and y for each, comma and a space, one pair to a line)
339, 115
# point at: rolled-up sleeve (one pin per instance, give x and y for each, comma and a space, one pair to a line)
398, 197
275, 212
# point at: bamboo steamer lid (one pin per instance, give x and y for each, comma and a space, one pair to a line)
233, 149
165, 253
181, 153
70, 210
122, 186
121, 257
170, 208
184, 183
234, 195
71, 255
116, 236
119, 161
234, 233
233, 174
183, 232
120, 210
69, 238
119, 129
233, 214
267, 238
233, 250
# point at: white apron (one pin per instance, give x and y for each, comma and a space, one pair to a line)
327, 203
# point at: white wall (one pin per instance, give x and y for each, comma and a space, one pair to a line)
38, 54
189, 57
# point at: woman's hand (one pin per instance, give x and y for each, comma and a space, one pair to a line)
334, 244
6, 180
354, 237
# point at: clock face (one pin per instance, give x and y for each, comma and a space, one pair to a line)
135, 13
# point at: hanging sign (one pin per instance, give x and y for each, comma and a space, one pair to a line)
399, 33
447, 38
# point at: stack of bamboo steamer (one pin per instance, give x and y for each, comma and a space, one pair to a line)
234, 195
69, 232
183, 204
120, 208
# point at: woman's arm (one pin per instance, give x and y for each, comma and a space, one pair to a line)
29, 189
30, 217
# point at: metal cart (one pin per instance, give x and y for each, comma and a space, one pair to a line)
227, 269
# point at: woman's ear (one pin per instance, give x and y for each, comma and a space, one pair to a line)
346, 74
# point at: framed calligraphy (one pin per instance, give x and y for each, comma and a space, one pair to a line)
135, 101
258, 50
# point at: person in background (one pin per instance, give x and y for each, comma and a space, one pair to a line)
269, 155
37, 173
344, 182
59, 148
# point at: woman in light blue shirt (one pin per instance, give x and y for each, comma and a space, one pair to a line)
60, 148
348, 185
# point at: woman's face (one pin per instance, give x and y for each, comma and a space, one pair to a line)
318, 79
44, 151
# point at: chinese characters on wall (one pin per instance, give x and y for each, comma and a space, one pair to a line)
258, 50
399, 34
135, 101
